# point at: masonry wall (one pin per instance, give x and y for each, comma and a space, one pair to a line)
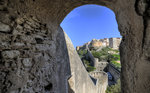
32, 58
91, 57
133, 19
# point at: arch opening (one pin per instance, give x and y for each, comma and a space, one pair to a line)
83, 25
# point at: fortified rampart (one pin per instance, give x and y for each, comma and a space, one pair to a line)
100, 65
90, 57
80, 81
102, 80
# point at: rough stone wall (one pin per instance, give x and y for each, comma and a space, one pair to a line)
133, 18
135, 48
91, 57
32, 58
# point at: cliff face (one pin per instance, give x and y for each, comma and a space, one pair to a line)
40, 63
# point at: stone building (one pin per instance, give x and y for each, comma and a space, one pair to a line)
105, 42
114, 43
100, 43
95, 44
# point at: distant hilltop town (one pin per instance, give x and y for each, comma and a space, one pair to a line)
99, 43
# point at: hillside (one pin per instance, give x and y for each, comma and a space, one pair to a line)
101, 50
100, 56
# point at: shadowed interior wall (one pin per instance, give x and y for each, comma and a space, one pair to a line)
33, 49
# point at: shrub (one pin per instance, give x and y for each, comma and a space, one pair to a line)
82, 52
90, 68
117, 65
114, 88
103, 54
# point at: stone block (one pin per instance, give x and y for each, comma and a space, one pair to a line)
27, 62
42, 47
10, 54
28, 39
4, 27
19, 44
4, 37
4, 45
20, 21
19, 27
32, 23
16, 32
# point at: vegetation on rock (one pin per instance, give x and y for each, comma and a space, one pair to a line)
108, 54
102, 54
82, 53
86, 62
114, 88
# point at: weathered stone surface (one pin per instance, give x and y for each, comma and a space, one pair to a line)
19, 45
4, 45
10, 54
4, 27
27, 62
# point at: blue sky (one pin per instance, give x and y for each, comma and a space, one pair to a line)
89, 22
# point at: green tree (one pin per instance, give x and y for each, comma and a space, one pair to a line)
82, 52
103, 54
90, 68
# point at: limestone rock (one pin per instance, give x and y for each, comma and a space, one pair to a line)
19, 44
4, 27
4, 45
27, 62
10, 54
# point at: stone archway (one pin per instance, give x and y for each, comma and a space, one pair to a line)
33, 48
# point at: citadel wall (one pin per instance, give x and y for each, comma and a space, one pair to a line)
81, 81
